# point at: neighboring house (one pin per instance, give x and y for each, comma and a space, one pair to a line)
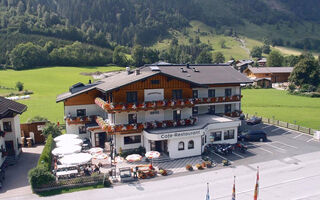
10, 139
263, 82
242, 65
277, 74
34, 131
173, 109
262, 62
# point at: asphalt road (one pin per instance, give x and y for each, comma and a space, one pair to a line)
289, 169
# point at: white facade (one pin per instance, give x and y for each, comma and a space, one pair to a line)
2, 146
13, 136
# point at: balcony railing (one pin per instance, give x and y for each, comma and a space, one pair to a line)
139, 127
80, 120
165, 104
235, 113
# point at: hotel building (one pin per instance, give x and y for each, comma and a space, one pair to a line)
173, 109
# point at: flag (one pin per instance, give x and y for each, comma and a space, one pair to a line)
234, 189
208, 195
256, 189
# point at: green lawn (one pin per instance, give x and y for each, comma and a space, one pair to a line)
283, 106
47, 83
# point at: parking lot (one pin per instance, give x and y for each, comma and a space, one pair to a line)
282, 145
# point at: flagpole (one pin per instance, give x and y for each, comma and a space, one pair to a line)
234, 189
208, 195
256, 189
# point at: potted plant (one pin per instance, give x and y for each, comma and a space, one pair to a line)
225, 162
199, 166
163, 172
189, 167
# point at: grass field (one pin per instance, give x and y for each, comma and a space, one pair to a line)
47, 83
283, 106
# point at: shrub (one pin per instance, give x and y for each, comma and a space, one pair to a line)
19, 86
163, 172
46, 156
40, 176
141, 151
38, 119
106, 182
291, 88
189, 167
51, 129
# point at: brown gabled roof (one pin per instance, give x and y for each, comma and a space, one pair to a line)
7, 105
200, 75
267, 70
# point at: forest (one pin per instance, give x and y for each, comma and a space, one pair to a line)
98, 27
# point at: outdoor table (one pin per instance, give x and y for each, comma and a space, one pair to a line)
67, 173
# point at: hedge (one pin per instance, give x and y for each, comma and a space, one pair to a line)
45, 159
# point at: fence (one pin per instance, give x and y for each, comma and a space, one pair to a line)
285, 125
73, 182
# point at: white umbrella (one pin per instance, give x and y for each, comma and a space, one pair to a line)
133, 158
66, 150
65, 137
152, 154
95, 150
63, 143
76, 159
100, 158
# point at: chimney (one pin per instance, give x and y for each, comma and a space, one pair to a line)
137, 71
128, 70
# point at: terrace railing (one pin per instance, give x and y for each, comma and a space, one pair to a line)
139, 127
164, 104
80, 120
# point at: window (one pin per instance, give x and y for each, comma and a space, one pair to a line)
191, 144
7, 127
82, 130
155, 112
229, 134
212, 110
181, 146
132, 118
132, 97
194, 94
81, 112
216, 136
211, 93
228, 92
176, 115
109, 97
132, 139
195, 110
177, 94
155, 82
227, 108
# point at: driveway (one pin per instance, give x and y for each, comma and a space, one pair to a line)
16, 182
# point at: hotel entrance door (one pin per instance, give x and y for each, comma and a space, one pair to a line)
160, 146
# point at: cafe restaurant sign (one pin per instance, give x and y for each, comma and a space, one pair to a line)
179, 134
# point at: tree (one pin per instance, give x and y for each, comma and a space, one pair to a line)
28, 55
266, 49
118, 57
49, 46
19, 86
218, 57
53, 129
222, 43
291, 60
256, 52
205, 57
137, 55
275, 59
306, 72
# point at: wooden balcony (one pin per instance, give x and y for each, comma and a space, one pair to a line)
165, 104
139, 127
80, 120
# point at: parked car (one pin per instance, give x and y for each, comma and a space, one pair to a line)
254, 120
254, 135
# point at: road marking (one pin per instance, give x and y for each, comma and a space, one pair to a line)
221, 156
258, 147
276, 147
286, 144
275, 129
238, 155
266, 127
311, 140
286, 132
298, 135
